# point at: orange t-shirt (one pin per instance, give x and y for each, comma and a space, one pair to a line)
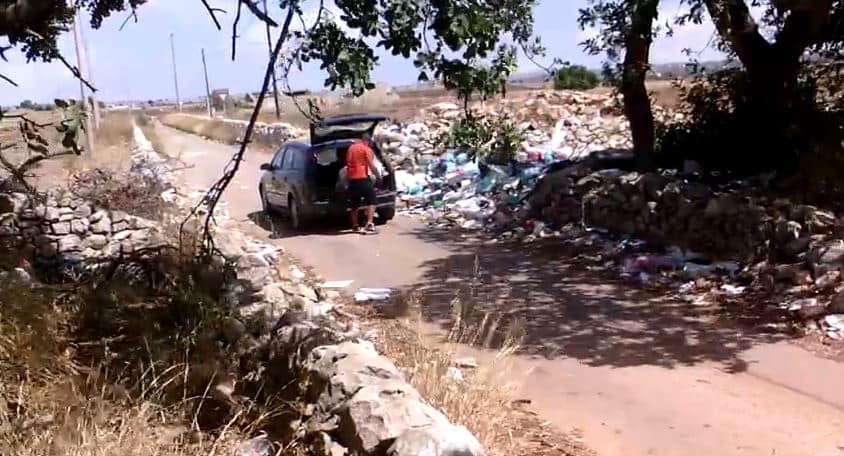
358, 158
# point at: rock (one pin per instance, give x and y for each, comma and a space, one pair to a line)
79, 226
828, 280
12, 202
101, 226
95, 241
97, 216
447, 440
122, 235
65, 214
261, 316
833, 253
120, 226
119, 216
793, 273
836, 306
60, 228
808, 308
82, 211
70, 243
381, 411
274, 293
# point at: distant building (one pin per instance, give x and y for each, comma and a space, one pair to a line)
219, 98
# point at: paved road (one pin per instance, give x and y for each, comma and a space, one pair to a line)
633, 374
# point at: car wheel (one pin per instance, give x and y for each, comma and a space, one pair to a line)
385, 215
297, 219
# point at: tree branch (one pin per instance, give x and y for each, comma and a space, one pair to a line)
9, 80
253, 7
213, 13
75, 72
734, 22
212, 197
234, 30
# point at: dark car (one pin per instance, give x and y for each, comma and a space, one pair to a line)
303, 179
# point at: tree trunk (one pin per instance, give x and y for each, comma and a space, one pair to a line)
637, 104
772, 68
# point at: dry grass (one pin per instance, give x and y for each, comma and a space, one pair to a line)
208, 128
52, 404
479, 398
108, 368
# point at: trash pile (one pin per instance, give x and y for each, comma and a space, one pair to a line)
555, 125
560, 186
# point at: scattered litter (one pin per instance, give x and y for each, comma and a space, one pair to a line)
466, 363
296, 273
454, 374
333, 284
373, 294
732, 290
258, 446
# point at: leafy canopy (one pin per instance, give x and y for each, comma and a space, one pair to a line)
470, 45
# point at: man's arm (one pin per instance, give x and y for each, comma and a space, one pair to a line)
371, 158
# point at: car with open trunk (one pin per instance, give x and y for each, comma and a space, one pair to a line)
305, 179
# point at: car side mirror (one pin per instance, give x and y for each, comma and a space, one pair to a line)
266, 167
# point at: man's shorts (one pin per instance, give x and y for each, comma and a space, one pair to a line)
361, 193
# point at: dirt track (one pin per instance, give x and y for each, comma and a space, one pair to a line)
631, 373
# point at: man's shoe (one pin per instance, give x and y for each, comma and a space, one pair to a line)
371, 228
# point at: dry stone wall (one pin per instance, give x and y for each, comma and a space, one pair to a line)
59, 226
736, 223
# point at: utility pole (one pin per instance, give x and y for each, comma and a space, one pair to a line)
207, 86
175, 73
270, 49
89, 74
80, 63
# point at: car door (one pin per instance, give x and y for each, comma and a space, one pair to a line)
297, 177
283, 175
275, 188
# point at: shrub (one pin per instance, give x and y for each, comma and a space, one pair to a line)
575, 77
496, 140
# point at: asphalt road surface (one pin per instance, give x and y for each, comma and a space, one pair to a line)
631, 373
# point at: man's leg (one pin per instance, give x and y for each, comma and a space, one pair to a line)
354, 214
370, 215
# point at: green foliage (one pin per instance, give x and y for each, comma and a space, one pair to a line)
726, 129
575, 77
456, 42
493, 139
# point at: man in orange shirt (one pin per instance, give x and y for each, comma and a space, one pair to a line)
360, 166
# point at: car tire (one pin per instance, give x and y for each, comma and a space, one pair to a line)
385, 215
298, 221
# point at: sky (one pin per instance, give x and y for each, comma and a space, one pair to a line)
135, 63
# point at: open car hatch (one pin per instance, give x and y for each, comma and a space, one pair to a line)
344, 127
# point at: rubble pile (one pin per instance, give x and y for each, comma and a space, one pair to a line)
555, 125
731, 241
